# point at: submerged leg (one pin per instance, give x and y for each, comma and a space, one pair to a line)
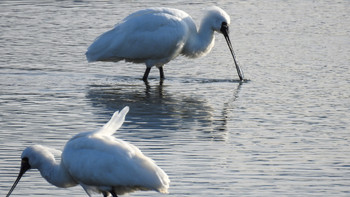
145, 76
161, 72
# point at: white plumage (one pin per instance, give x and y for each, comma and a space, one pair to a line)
98, 162
155, 36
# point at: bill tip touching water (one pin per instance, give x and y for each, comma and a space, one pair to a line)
98, 162
155, 36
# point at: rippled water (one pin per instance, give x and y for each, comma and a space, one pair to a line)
283, 132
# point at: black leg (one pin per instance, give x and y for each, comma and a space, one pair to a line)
105, 194
113, 193
145, 76
161, 73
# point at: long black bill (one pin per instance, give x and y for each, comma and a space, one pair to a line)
224, 30
24, 167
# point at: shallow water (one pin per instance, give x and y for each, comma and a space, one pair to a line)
284, 131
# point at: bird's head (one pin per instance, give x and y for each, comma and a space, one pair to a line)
216, 17
36, 154
219, 20
31, 158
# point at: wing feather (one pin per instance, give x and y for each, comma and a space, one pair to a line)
114, 123
151, 34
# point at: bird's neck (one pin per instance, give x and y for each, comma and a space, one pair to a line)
55, 173
200, 43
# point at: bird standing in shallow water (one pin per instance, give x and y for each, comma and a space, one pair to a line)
155, 36
98, 162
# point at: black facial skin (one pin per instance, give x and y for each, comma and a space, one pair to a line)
24, 167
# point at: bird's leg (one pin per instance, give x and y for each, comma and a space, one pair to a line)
145, 76
161, 72
113, 193
106, 194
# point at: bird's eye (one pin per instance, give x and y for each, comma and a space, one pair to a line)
224, 28
25, 162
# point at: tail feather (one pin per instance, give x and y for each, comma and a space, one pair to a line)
114, 123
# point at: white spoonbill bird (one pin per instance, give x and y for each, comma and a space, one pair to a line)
155, 36
98, 162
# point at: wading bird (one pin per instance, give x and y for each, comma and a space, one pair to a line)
155, 36
98, 162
